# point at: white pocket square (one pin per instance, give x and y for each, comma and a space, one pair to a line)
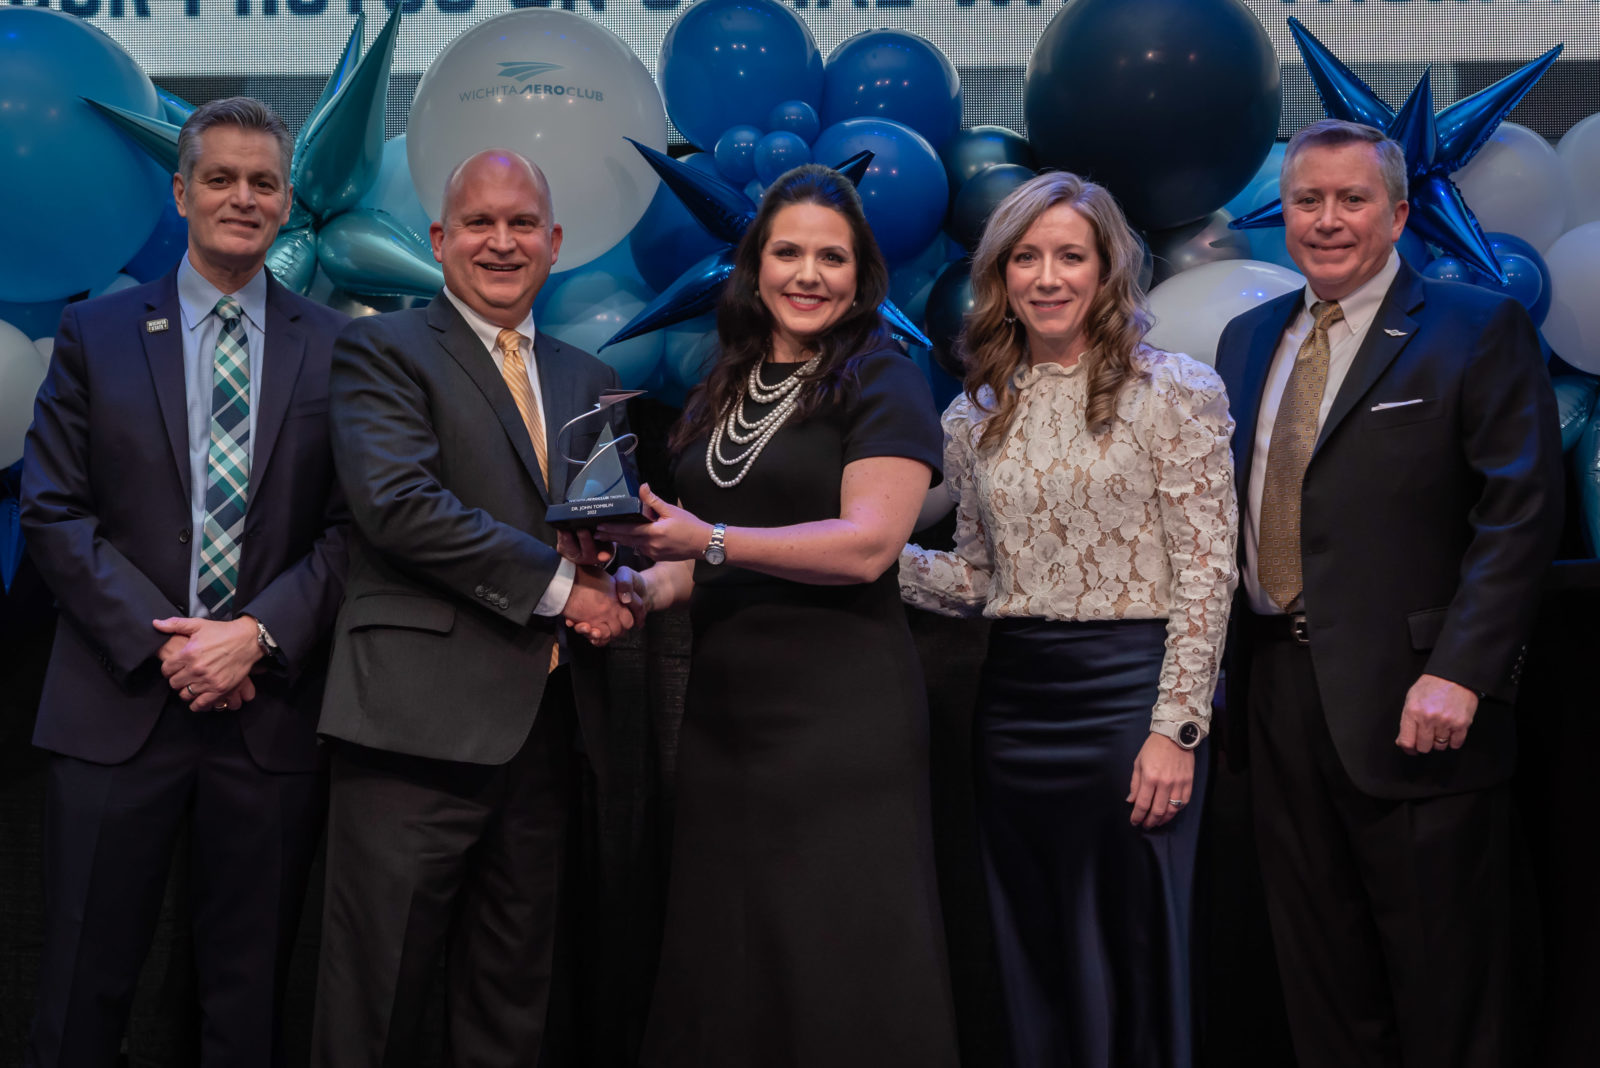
1386, 405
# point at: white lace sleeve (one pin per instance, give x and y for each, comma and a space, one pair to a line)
954, 583
1189, 428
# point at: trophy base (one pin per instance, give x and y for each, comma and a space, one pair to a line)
586, 513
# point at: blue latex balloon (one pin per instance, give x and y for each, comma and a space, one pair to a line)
949, 302
754, 189
735, 153
1575, 396
779, 152
1170, 104
1263, 187
1502, 244
970, 151
1523, 282
904, 190
1413, 250
911, 279
668, 239
1587, 463
796, 117
166, 246
978, 198
729, 62
80, 196
35, 320
689, 349
588, 306
893, 74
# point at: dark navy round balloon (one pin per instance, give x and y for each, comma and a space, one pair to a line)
949, 301
1171, 104
970, 151
978, 198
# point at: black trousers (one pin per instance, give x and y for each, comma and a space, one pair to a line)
1391, 919
431, 859
109, 834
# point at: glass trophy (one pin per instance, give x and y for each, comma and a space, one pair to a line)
604, 490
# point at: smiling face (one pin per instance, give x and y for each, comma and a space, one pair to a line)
235, 198
808, 275
1052, 275
1338, 221
496, 241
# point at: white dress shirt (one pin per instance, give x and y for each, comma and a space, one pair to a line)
1344, 340
555, 594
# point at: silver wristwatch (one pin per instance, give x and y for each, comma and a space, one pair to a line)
269, 648
1187, 733
715, 553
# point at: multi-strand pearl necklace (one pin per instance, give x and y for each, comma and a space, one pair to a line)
754, 433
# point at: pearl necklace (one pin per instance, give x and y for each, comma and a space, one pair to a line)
755, 434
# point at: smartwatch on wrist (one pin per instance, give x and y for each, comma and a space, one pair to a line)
1185, 732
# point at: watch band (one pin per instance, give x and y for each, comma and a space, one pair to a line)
1187, 733
269, 648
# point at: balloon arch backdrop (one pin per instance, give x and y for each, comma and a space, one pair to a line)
1183, 136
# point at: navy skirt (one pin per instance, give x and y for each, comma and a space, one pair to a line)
1091, 914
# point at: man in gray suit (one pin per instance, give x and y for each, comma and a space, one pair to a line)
451, 725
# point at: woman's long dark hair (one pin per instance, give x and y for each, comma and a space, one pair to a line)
745, 325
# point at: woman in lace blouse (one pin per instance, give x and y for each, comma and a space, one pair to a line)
1095, 524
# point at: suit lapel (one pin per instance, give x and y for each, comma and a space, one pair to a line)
163, 350
1391, 330
1263, 343
467, 350
559, 388
284, 351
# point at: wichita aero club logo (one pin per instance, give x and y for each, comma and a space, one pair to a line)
524, 73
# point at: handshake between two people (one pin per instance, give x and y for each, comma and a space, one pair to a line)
601, 605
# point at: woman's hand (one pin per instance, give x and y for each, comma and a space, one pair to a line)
672, 534
1163, 772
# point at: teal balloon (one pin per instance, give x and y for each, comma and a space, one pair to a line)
349, 59
292, 259
372, 252
158, 137
392, 190
587, 307
80, 197
174, 109
1575, 396
729, 62
893, 74
688, 350
341, 148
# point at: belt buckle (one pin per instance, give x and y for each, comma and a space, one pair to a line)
1299, 630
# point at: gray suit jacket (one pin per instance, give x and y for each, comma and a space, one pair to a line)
437, 650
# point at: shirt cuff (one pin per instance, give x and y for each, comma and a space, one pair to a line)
556, 594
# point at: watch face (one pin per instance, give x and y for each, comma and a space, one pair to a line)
715, 555
1189, 735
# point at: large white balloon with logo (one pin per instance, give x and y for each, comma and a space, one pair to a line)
563, 91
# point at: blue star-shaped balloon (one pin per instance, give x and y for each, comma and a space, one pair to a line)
726, 213
1436, 145
337, 155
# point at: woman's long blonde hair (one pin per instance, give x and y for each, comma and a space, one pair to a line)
993, 343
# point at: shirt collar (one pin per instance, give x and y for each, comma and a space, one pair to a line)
1027, 373
197, 297
1361, 306
487, 332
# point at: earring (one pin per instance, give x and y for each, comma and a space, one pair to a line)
1010, 320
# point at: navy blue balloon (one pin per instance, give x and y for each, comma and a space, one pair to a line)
1413, 250
904, 189
1523, 282
779, 152
1504, 244
668, 240
165, 248
970, 151
796, 117
949, 302
978, 198
893, 74
1171, 104
729, 62
735, 153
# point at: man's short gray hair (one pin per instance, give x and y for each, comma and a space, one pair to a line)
245, 112
1327, 133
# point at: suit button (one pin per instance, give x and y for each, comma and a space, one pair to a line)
183, 535
479, 591
502, 603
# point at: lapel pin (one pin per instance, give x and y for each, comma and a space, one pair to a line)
154, 326
1392, 332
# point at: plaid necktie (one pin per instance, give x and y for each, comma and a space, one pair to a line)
227, 464
515, 372
1294, 435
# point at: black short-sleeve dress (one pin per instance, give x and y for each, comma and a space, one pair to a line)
803, 924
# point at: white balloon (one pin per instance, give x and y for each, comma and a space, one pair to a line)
47, 348
1573, 325
563, 91
116, 285
21, 374
587, 308
1517, 185
1191, 308
1579, 150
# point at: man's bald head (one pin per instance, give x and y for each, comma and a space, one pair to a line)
503, 159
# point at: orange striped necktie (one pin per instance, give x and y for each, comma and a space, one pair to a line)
515, 371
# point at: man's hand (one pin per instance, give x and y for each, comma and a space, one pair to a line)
580, 547
593, 608
1437, 715
208, 661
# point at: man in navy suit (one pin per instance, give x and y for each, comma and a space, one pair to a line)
1399, 466
179, 497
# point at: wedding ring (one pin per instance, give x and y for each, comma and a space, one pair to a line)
189, 689
1441, 741
1175, 801
220, 708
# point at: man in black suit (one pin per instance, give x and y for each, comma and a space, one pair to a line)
1398, 453
179, 497
452, 761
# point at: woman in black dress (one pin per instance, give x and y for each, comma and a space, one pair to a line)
803, 923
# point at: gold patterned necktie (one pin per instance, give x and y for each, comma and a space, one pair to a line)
515, 370
1294, 435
